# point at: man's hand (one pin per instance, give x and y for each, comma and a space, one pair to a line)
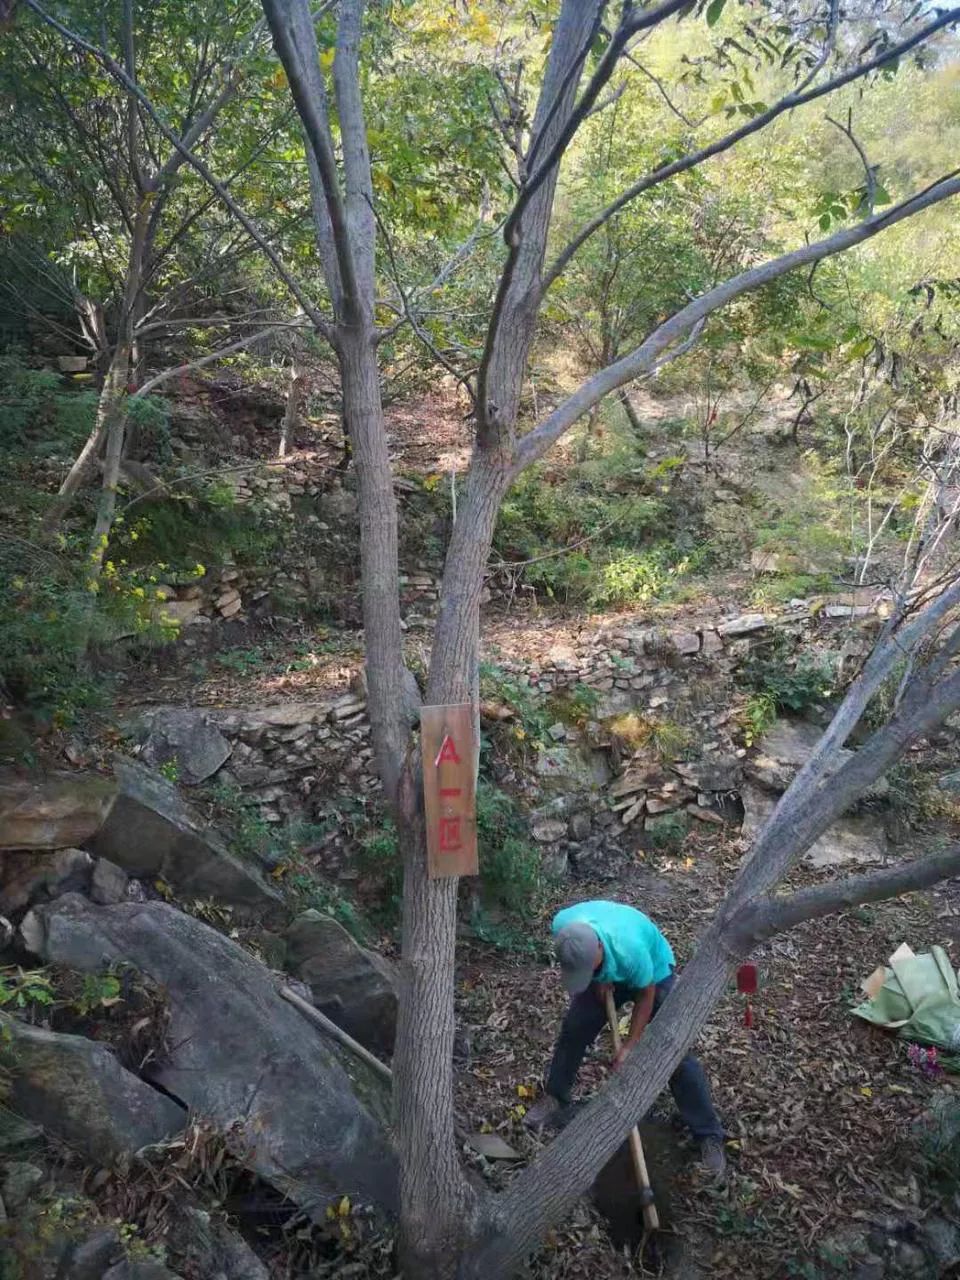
620, 1056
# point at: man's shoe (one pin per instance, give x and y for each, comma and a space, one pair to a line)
713, 1158
542, 1112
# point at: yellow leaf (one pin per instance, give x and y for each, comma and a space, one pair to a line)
524, 1091
866, 1091
343, 1208
331, 1212
326, 58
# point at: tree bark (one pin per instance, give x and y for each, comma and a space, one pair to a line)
632, 416
291, 410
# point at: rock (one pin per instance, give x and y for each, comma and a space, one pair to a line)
77, 1090
579, 826
337, 505
743, 625
148, 1269
572, 770
307, 1113
851, 840
705, 815
187, 739
183, 612
662, 804
16, 1132
204, 1245
19, 1183
151, 832
942, 1238
719, 773
549, 831
633, 811
108, 883
785, 747
950, 782
7, 932
32, 877
92, 1258
355, 987
557, 732
54, 812
686, 643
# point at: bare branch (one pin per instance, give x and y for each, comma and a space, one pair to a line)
691, 124
159, 379
796, 98
295, 41
640, 360
770, 915
869, 169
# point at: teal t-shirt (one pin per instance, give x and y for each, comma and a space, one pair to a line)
635, 952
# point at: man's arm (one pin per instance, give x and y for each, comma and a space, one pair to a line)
642, 1012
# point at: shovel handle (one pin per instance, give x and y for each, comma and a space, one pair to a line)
651, 1219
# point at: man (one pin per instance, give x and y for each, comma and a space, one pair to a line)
603, 946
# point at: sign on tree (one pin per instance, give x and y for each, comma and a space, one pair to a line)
449, 790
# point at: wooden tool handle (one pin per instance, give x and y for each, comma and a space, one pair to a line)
651, 1218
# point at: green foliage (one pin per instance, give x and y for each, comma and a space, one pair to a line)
510, 866
668, 831
378, 856
758, 715
98, 991
789, 688
27, 989
36, 413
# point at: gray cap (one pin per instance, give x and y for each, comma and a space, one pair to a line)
576, 948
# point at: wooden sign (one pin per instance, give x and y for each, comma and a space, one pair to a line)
449, 790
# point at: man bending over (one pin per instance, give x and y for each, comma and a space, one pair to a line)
608, 946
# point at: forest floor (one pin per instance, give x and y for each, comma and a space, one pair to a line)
821, 1110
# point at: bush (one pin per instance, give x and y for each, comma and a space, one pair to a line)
788, 688
510, 867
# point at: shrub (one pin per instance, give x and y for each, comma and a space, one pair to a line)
510, 867
664, 738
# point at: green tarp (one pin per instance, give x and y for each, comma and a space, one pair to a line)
917, 996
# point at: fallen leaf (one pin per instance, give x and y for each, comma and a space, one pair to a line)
493, 1146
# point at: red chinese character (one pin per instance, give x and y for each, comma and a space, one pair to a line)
450, 840
448, 751
448, 793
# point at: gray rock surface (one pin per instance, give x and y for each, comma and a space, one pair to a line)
307, 1114
108, 883
150, 831
850, 841
77, 1090
52, 812
353, 986
185, 737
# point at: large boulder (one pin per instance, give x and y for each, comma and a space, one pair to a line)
303, 1112
78, 1091
151, 832
184, 737
785, 748
354, 987
52, 812
852, 840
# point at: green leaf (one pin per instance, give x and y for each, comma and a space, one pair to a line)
714, 10
825, 222
860, 349
881, 195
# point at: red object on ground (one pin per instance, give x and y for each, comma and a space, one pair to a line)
747, 986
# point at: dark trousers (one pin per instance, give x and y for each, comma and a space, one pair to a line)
584, 1021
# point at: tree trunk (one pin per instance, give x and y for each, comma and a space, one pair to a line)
434, 1194
291, 410
112, 408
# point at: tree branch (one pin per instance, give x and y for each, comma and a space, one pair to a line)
797, 98
868, 169
295, 41
152, 383
642, 358
770, 915
193, 160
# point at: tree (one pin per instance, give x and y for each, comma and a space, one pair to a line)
105, 206
446, 1229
